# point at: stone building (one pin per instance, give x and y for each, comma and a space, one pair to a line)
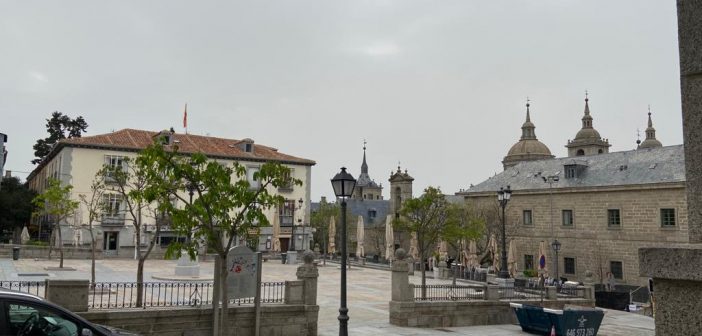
366, 187
528, 148
650, 141
76, 161
603, 209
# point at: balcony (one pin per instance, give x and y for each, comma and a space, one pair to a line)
112, 220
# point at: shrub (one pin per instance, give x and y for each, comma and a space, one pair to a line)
530, 273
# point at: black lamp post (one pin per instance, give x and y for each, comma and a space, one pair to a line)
556, 245
343, 184
503, 196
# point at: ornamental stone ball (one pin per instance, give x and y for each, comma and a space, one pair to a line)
308, 257
400, 254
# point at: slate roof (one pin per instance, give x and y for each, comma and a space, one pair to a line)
643, 166
361, 207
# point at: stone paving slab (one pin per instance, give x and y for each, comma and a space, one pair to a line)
368, 295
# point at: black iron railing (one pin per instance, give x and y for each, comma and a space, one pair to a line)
575, 292
448, 293
31, 287
521, 293
110, 295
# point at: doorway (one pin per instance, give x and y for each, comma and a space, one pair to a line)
110, 243
284, 244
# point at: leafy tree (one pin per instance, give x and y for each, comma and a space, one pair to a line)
56, 203
94, 204
465, 224
129, 182
59, 126
427, 216
319, 219
226, 205
15, 206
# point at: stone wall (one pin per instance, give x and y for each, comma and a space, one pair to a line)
293, 320
72, 252
442, 314
590, 241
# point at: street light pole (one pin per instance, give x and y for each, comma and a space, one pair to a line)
551, 180
343, 184
503, 196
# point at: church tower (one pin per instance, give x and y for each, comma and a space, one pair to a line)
400, 190
366, 188
528, 148
651, 141
588, 140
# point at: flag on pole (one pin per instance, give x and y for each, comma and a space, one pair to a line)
185, 117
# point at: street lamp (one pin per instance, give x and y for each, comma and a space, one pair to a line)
556, 245
343, 184
552, 179
503, 196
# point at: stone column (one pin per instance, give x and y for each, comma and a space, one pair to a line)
551, 293
677, 278
401, 290
308, 273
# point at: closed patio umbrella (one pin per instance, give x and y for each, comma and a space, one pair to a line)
276, 233
360, 236
332, 234
389, 239
512, 258
414, 247
492, 246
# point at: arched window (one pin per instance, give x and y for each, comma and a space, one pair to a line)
580, 152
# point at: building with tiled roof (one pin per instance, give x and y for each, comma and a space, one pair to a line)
75, 161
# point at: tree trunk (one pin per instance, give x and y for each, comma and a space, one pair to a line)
216, 295
223, 272
60, 245
140, 282
93, 246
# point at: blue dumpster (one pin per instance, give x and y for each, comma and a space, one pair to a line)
567, 322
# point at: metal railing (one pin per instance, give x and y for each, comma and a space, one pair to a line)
448, 293
568, 291
521, 293
37, 288
110, 295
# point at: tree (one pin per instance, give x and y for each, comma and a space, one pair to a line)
427, 216
464, 225
225, 207
95, 205
59, 126
128, 181
56, 203
319, 220
16, 206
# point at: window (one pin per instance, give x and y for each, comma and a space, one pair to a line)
528, 262
526, 216
617, 270
288, 185
570, 171
580, 152
251, 173
287, 212
113, 163
372, 213
567, 217
112, 205
38, 321
569, 265
667, 217
248, 147
613, 217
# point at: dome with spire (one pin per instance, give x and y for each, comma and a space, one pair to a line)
588, 140
528, 148
651, 141
366, 187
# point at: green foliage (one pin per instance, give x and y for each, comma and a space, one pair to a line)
463, 224
56, 201
530, 273
37, 243
224, 203
427, 216
16, 206
59, 126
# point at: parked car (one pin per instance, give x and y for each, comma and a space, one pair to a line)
29, 315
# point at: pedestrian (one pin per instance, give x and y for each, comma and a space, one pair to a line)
611, 282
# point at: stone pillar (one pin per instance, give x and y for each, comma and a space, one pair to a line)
308, 273
401, 290
677, 280
70, 294
551, 293
492, 292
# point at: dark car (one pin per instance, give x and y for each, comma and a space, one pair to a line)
28, 315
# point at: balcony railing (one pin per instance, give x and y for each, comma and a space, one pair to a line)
113, 220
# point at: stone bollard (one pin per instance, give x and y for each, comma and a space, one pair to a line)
401, 290
492, 292
410, 264
551, 293
308, 273
70, 294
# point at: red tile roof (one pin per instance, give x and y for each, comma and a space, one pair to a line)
133, 139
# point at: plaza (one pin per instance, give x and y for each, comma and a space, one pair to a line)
368, 294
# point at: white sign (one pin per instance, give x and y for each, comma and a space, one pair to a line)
241, 280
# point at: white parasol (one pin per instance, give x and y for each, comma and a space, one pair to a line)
276, 233
331, 248
512, 258
414, 247
360, 236
389, 239
24, 237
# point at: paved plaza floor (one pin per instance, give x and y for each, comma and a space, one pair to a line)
368, 295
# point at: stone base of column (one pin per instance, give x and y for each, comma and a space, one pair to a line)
292, 257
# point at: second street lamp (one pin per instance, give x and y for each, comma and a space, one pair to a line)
556, 245
503, 196
343, 184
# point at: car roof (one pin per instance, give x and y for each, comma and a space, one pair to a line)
5, 292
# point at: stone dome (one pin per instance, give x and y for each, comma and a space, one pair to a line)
588, 133
529, 146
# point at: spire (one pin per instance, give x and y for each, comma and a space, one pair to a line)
587, 119
651, 140
528, 127
650, 123
364, 165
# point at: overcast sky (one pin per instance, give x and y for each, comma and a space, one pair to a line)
439, 86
